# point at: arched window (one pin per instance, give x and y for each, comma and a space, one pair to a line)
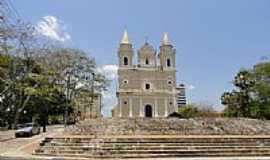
148, 111
147, 86
125, 61
146, 61
168, 62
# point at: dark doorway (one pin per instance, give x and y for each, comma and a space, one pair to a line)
146, 61
148, 111
125, 61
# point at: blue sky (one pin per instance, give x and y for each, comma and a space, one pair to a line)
214, 39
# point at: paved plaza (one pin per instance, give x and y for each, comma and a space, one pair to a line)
23, 147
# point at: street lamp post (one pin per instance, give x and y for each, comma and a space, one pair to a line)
8, 120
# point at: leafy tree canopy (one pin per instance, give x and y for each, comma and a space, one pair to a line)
251, 98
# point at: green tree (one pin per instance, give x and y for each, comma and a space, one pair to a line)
261, 91
238, 100
73, 71
38, 78
252, 95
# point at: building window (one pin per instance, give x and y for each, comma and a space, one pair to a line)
125, 61
125, 102
169, 82
125, 81
147, 86
171, 103
168, 62
146, 61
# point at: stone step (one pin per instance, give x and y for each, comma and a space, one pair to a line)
162, 155
161, 140
164, 141
138, 152
89, 148
156, 137
155, 144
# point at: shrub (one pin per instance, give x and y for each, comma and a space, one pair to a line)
194, 110
189, 111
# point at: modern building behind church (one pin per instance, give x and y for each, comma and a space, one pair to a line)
148, 88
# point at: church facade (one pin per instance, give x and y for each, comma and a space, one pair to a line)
148, 88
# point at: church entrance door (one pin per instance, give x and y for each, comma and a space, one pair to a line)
148, 111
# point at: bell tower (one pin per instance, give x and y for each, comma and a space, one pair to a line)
167, 53
125, 52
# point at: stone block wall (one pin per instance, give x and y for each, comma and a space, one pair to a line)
172, 126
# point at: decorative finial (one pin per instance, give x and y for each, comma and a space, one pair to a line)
146, 39
125, 39
165, 40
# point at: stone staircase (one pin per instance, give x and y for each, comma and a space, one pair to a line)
153, 146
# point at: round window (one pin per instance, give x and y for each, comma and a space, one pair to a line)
125, 81
169, 82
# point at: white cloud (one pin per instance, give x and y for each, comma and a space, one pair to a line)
110, 71
109, 102
190, 87
52, 28
109, 97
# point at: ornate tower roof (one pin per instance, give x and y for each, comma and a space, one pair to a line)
165, 39
125, 39
147, 55
147, 48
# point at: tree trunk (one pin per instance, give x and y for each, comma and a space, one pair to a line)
45, 121
18, 112
44, 125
